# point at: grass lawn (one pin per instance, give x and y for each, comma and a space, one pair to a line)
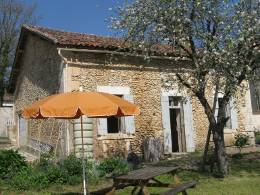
244, 179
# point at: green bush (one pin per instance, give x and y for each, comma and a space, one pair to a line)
241, 140
112, 166
46, 172
72, 169
11, 162
30, 178
71, 165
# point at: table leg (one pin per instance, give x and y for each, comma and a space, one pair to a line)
143, 189
113, 190
184, 192
176, 180
133, 191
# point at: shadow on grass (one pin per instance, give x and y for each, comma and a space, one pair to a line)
248, 164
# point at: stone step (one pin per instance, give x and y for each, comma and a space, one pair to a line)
176, 155
5, 140
5, 143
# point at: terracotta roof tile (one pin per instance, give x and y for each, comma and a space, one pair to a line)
73, 39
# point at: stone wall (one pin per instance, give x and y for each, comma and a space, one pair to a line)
40, 76
145, 86
90, 70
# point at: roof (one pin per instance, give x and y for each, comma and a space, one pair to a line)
81, 40
73, 40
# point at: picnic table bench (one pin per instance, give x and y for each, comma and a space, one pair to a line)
145, 177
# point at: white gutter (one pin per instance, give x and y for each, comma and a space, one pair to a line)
64, 80
7, 104
120, 53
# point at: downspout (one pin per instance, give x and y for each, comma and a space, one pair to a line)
64, 80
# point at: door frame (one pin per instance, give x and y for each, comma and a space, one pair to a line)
190, 135
181, 127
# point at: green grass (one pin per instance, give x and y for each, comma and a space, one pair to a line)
244, 179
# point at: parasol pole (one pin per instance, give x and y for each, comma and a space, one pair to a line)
83, 159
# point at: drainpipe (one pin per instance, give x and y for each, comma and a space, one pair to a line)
64, 67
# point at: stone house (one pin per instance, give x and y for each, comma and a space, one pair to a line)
50, 61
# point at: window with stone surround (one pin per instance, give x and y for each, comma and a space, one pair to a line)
116, 125
229, 112
255, 96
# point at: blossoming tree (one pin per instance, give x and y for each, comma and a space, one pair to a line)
219, 38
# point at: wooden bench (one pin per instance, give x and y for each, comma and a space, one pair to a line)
180, 188
143, 178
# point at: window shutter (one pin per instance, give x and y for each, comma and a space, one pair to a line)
22, 131
233, 114
188, 124
102, 126
166, 124
129, 120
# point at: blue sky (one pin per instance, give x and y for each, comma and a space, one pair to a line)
85, 16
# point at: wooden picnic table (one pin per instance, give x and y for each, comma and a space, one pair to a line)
145, 177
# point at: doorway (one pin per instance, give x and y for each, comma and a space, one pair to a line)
177, 124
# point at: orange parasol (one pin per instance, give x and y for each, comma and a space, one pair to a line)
74, 105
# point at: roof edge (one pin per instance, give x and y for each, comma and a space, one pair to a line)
34, 30
23, 32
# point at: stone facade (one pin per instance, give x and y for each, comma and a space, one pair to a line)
41, 75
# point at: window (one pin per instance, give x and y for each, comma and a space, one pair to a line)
255, 96
174, 101
227, 113
114, 125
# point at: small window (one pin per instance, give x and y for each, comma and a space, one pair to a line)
255, 96
115, 124
174, 101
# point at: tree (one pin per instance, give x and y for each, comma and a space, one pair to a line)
13, 14
219, 38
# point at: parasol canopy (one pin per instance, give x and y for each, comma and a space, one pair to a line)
72, 105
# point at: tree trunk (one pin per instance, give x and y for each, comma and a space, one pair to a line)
206, 149
220, 150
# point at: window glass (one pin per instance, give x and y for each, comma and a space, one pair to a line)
115, 124
174, 101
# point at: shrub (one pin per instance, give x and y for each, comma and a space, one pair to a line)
29, 178
11, 162
68, 171
71, 165
241, 140
112, 166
